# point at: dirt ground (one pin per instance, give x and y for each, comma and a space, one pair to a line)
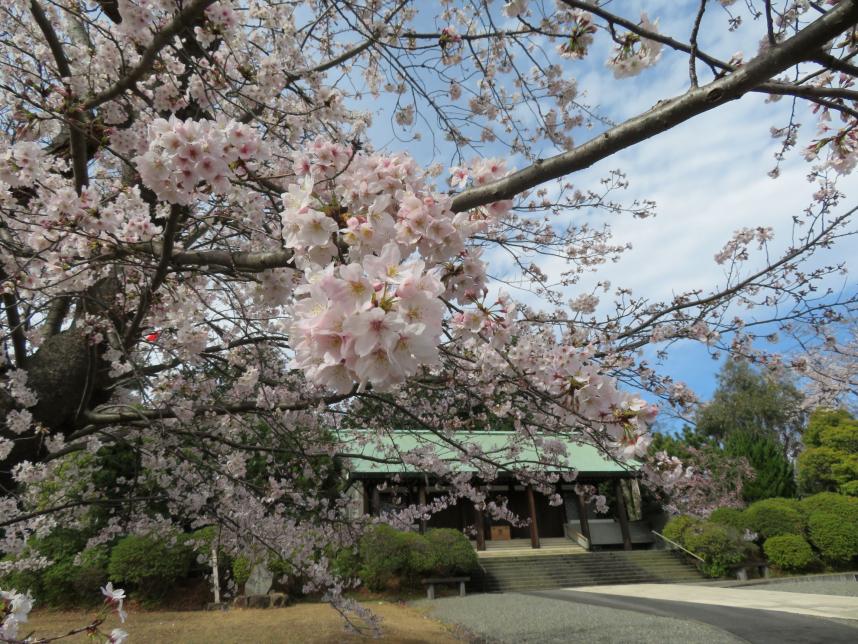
310, 623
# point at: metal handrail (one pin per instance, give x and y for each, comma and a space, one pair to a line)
673, 543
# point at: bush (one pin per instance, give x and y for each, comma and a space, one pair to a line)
773, 517
850, 489
384, 556
66, 583
731, 517
789, 552
152, 565
241, 570
831, 503
676, 528
453, 554
834, 536
721, 547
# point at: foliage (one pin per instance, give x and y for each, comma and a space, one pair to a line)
748, 402
149, 563
387, 554
241, 567
384, 556
789, 552
732, 517
836, 537
773, 472
772, 517
453, 553
830, 461
830, 503
677, 527
720, 546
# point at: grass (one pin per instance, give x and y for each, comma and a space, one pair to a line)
306, 622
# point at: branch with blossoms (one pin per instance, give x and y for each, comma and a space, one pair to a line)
15, 608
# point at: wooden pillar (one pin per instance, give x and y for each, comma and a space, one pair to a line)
421, 499
582, 518
622, 514
366, 498
376, 500
481, 528
534, 527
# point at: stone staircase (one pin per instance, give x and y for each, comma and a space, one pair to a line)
539, 572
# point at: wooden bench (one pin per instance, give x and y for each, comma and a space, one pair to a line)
430, 584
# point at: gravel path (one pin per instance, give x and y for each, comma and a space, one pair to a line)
842, 588
510, 617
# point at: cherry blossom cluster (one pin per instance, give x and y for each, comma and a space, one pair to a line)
581, 30
186, 159
633, 54
377, 318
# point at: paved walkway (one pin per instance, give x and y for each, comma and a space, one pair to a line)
830, 606
754, 625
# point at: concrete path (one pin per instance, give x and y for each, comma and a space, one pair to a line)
754, 625
830, 606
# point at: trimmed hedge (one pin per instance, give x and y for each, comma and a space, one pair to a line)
720, 546
731, 517
832, 503
773, 517
835, 536
789, 552
677, 526
453, 552
386, 555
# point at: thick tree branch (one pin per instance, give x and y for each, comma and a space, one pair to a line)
248, 407
77, 137
231, 261
669, 114
162, 38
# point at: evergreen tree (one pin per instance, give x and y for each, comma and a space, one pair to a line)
758, 404
759, 417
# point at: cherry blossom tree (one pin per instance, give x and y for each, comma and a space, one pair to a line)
206, 260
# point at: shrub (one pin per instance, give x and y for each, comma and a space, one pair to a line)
721, 547
835, 537
789, 552
453, 554
241, 569
731, 517
148, 563
677, 526
346, 563
850, 489
831, 503
772, 517
66, 583
384, 555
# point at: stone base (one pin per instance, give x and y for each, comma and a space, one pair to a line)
217, 606
271, 600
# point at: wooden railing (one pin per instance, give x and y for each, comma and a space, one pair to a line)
677, 546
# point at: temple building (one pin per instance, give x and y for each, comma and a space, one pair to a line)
383, 486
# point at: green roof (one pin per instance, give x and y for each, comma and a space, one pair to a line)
364, 459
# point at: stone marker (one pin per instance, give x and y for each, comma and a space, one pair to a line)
260, 580
258, 601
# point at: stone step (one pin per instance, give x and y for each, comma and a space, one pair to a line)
591, 569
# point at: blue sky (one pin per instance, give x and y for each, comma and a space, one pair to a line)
708, 176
